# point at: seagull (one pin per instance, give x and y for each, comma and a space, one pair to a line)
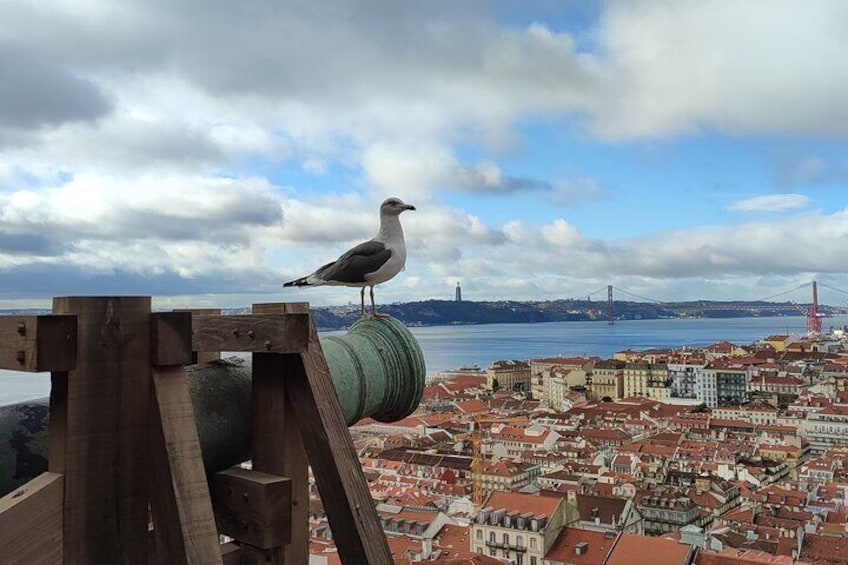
371, 262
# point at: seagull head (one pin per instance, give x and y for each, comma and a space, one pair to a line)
394, 206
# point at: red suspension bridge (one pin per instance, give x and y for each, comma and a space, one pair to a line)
812, 310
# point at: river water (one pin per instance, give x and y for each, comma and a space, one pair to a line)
448, 347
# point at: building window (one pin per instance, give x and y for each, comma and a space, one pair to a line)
492, 536
506, 538
532, 560
532, 543
479, 534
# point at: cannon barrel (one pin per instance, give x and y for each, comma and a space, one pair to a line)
377, 368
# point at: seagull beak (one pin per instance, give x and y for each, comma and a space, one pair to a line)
409, 207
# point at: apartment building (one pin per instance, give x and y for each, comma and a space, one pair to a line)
705, 386
647, 379
553, 375
519, 528
511, 441
683, 378
826, 428
607, 380
509, 375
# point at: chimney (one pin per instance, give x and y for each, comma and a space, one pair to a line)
581, 548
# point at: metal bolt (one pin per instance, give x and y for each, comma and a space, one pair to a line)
268, 345
21, 357
245, 497
250, 334
236, 332
22, 329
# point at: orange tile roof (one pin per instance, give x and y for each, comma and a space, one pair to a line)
523, 503
740, 557
632, 549
597, 546
825, 547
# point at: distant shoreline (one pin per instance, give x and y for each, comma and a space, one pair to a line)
432, 313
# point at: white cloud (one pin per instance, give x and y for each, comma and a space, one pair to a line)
419, 170
768, 66
771, 203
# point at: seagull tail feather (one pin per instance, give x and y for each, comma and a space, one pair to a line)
303, 281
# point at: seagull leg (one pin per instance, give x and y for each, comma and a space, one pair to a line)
362, 300
374, 307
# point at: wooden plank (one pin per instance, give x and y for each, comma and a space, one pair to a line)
255, 556
338, 472
277, 333
231, 554
252, 507
203, 356
182, 509
106, 427
282, 426
31, 522
57, 425
38, 343
170, 338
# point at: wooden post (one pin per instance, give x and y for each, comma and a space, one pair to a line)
277, 445
338, 472
183, 521
106, 431
203, 356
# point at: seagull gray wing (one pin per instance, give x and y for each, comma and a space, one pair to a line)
353, 266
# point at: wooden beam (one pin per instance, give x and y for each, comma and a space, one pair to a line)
203, 356
231, 554
170, 338
182, 510
252, 507
38, 343
338, 472
280, 430
272, 333
58, 423
31, 522
105, 452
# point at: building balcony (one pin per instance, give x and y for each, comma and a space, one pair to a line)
507, 546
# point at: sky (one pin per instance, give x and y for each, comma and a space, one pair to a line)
205, 152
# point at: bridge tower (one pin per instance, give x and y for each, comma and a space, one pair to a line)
610, 312
814, 324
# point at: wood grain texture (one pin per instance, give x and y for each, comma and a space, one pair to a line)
252, 507
31, 522
292, 462
183, 521
170, 338
277, 333
231, 554
57, 425
338, 472
38, 343
105, 459
203, 356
